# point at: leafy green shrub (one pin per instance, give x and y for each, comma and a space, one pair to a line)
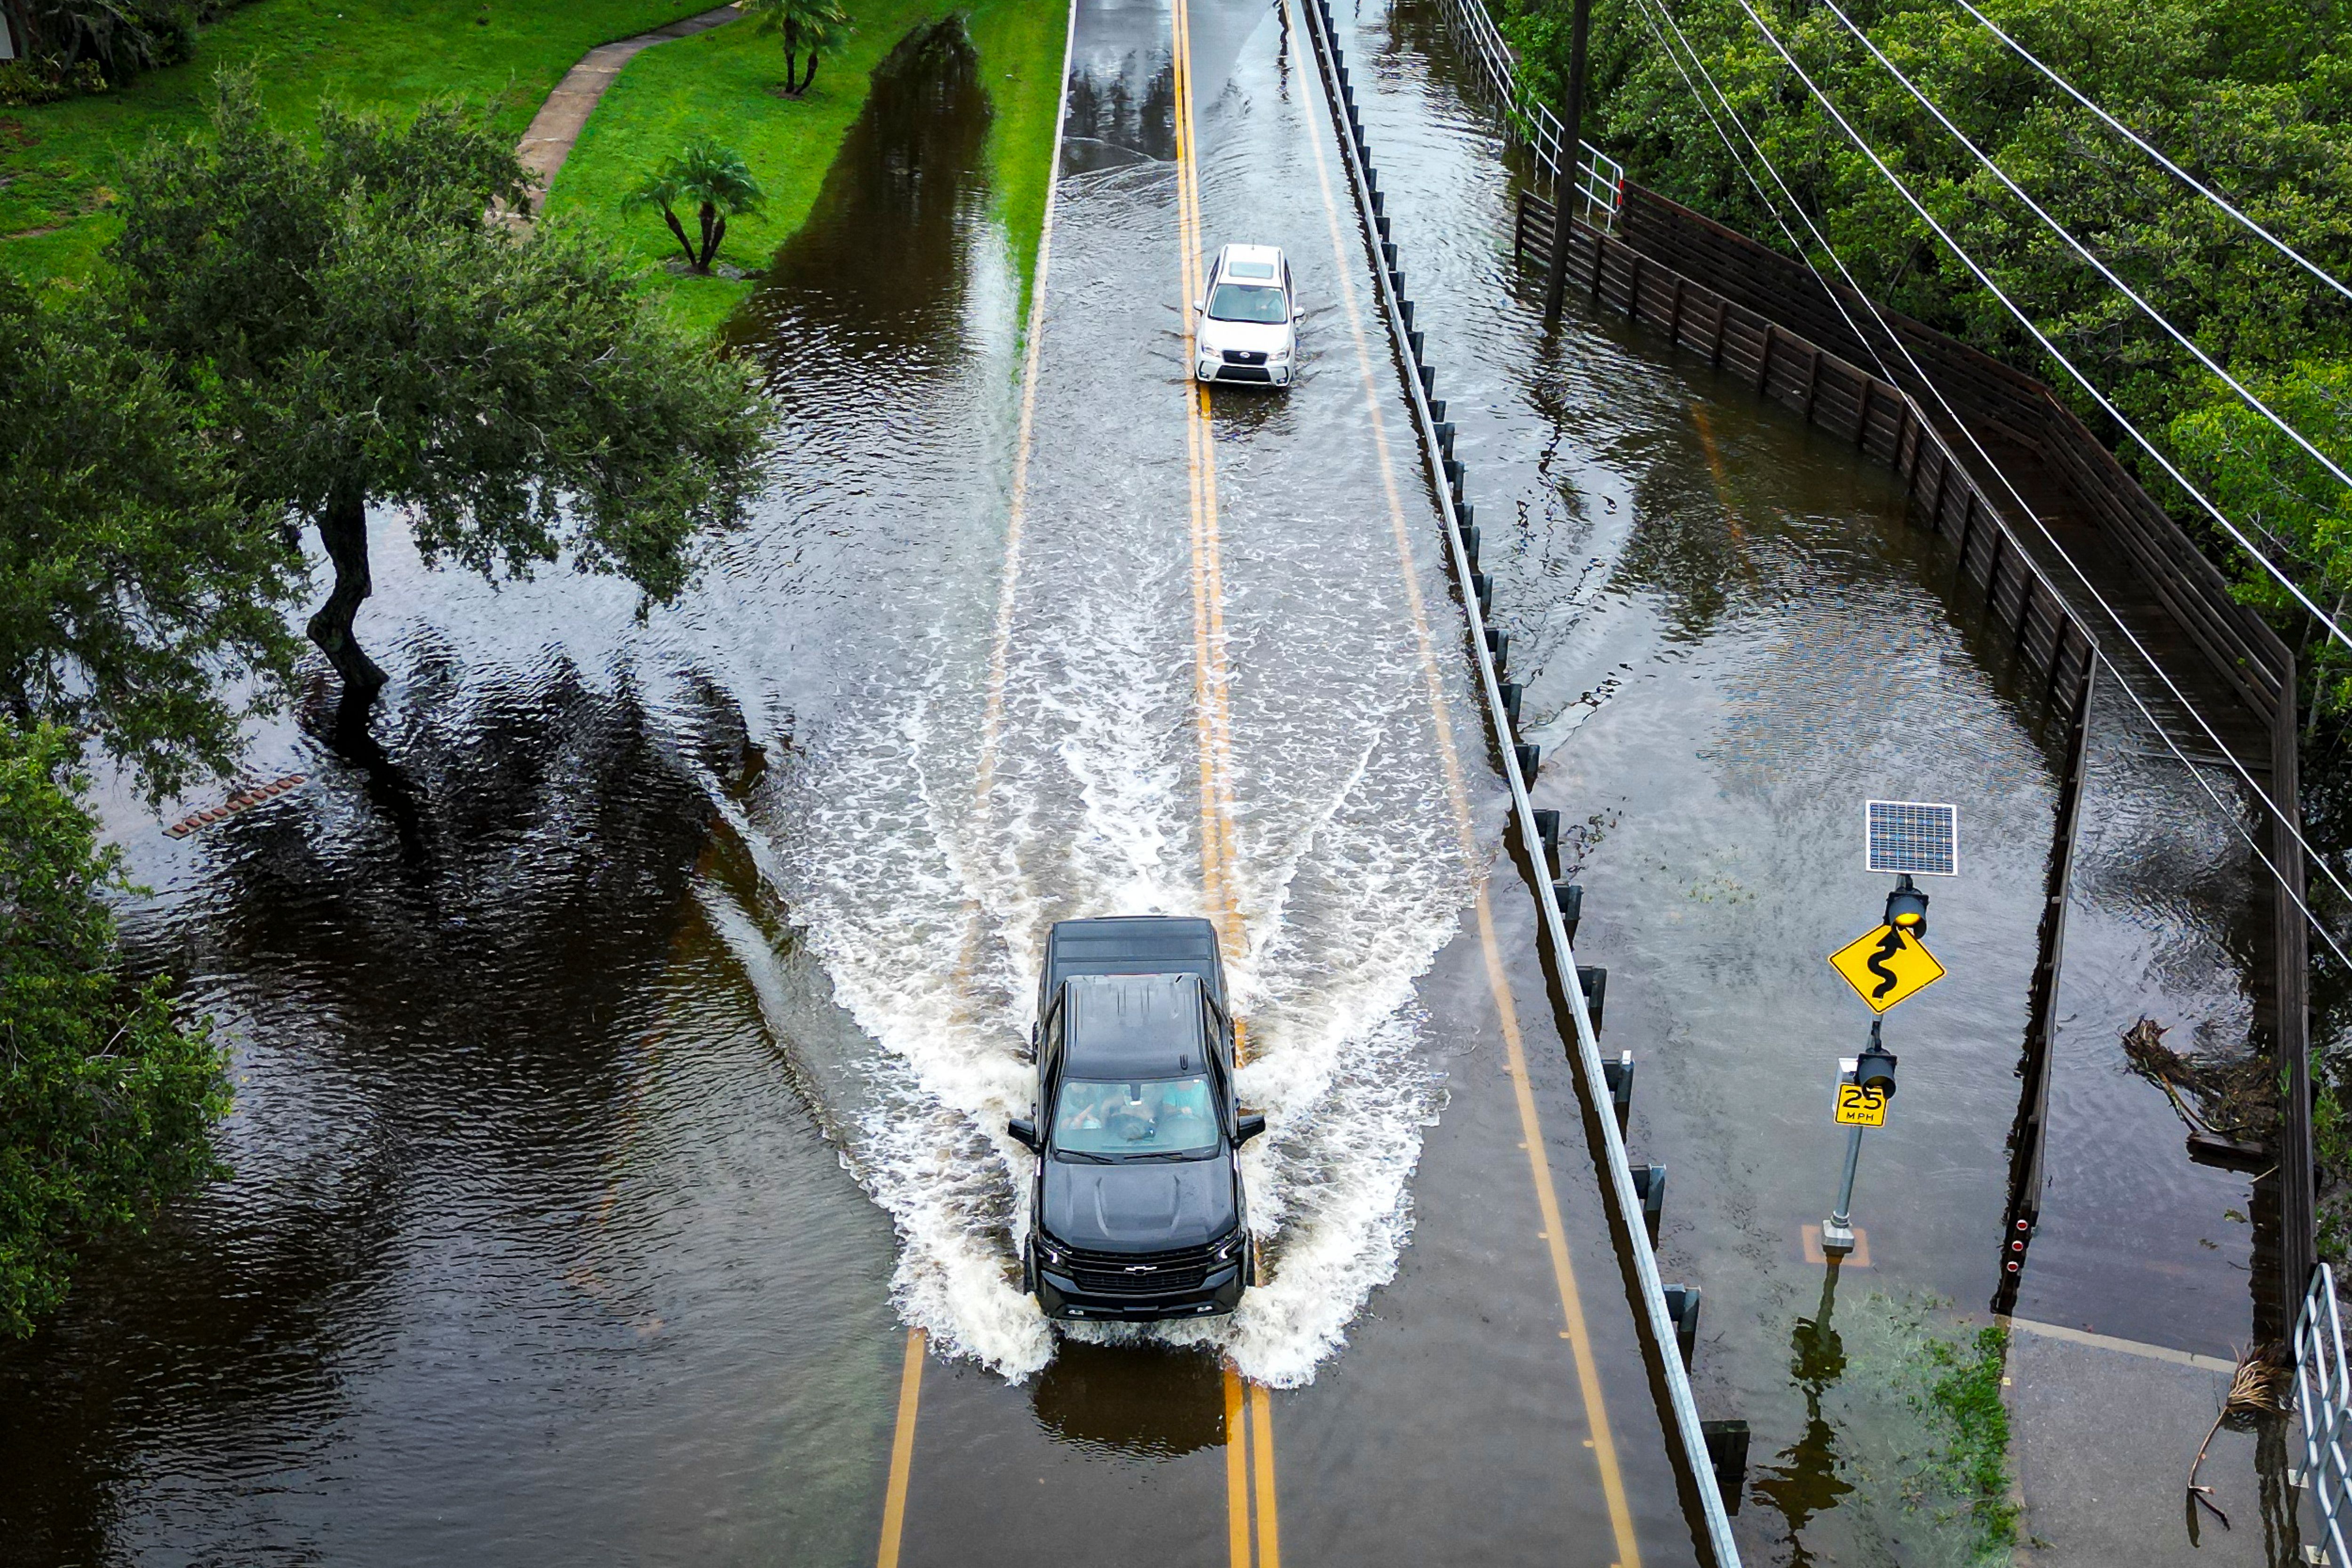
105, 1101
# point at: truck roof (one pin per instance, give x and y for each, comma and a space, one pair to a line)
1144, 1026
1131, 945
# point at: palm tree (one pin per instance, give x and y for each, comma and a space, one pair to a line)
808, 27
715, 181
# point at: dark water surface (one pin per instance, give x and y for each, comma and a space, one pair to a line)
1732, 639
616, 1089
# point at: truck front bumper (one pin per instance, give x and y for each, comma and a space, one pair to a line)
1062, 1298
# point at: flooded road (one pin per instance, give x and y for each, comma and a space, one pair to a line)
1732, 639
621, 1071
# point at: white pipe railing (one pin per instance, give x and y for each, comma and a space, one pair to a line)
2323, 1403
1599, 177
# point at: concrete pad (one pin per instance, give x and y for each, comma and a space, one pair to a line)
2102, 1434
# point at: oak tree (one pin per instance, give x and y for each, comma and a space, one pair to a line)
105, 1099
141, 603
368, 328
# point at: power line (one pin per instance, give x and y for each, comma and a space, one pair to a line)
1919, 372
2188, 707
2146, 308
2183, 175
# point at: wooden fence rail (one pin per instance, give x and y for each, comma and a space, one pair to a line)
1777, 324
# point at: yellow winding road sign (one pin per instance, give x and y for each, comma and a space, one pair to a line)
1886, 967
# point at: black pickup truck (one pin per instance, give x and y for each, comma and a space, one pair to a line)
1139, 1212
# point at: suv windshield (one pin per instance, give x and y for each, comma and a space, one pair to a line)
1135, 1120
1242, 303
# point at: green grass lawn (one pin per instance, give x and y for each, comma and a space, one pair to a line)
56, 160
720, 83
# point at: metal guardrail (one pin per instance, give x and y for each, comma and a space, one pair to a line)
2323, 1403
1600, 177
1520, 761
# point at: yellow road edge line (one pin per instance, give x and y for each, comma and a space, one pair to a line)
1604, 1448
1571, 1301
1722, 480
911, 1380
902, 1452
1237, 1508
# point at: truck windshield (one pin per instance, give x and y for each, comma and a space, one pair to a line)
1136, 1119
1242, 303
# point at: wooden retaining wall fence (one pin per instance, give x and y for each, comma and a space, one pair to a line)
1773, 322
1781, 362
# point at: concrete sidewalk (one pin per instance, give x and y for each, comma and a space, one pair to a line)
560, 120
2102, 1432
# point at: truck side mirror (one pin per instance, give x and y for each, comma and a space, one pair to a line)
1025, 1132
1247, 1125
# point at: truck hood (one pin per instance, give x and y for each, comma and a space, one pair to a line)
1143, 1208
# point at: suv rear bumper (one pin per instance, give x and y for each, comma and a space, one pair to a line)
1061, 1297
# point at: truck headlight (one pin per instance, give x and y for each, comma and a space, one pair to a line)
1230, 1248
1047, 1252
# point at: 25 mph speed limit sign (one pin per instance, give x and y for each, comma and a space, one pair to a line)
1860, 1105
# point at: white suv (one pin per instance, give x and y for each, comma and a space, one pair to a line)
1246, 329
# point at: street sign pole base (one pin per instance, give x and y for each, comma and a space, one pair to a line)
1837, 1240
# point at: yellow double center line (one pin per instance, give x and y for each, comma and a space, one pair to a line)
1211, 685
1573, 1327
1248, 1410
1252, 1512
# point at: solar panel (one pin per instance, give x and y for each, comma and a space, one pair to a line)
1915, 837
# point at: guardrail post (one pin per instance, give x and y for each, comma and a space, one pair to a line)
1727, 1449
1594, 983
1650, 1186
1571, 899
1682, 1305
1619, 1076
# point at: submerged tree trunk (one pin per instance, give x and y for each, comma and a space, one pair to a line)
342, 529
809, 80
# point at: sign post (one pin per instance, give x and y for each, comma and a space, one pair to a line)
1884, 966
1865, 1083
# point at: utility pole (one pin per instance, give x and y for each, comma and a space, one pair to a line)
1567, 189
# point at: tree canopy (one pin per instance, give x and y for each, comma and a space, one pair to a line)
105, 1103
137, 592
2255, 97
366, 328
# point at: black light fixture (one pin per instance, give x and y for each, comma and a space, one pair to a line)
1874, 1068
1906, 909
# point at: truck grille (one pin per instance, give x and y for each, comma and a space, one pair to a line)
1244, 356
1145, 1274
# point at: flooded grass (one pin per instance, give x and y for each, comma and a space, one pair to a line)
56, 160
724, 83
1907, 1438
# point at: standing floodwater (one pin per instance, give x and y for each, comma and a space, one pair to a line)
535, 1247
623, 1072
